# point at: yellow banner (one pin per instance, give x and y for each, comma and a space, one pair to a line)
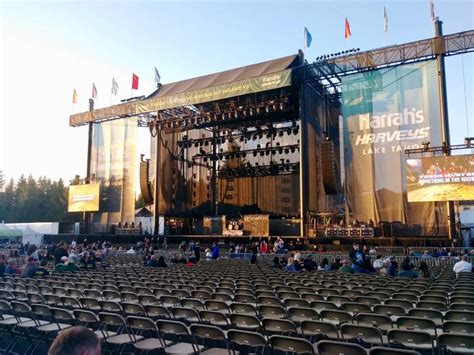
237, 88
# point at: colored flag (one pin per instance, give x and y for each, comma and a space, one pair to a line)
74, 97
157, 76
347, 31
433, 17
307, 38
385, 19
134, 82
94, 91
115, 87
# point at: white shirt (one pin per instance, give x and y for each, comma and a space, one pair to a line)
378, 264
462, 266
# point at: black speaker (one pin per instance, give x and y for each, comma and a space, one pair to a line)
328, 166
145, 184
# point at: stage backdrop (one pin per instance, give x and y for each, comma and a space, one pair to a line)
385, 112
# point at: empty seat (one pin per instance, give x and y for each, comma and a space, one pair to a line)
291, 345
328, 347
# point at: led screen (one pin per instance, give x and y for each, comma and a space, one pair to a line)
446, 178
83, 198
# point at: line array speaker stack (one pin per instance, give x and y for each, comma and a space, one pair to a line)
328, 166
145, 184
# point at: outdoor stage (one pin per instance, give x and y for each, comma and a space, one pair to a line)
289, 142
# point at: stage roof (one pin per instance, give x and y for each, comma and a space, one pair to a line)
230, 83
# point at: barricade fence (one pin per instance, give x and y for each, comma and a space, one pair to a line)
415, 260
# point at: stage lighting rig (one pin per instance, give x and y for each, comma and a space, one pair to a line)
426, 145
468, 141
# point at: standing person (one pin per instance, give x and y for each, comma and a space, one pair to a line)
197, 251
215, 251
60, 252
357, 257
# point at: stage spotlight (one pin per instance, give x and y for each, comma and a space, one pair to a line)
426, 145
295, 131
280, 134
469, 141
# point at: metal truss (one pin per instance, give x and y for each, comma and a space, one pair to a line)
329, 71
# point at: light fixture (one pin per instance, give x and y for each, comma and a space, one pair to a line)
426, 145
468, 141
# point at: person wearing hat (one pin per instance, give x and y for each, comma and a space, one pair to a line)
30, 268
346, 267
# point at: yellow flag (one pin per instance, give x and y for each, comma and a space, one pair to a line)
74, 97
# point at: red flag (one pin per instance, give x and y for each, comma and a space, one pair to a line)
134, 82
347, 32
94, 91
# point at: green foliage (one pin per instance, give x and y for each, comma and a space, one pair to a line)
30, 200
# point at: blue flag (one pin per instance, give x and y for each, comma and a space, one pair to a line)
307, 38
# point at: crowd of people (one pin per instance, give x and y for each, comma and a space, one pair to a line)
60, 257
358, 262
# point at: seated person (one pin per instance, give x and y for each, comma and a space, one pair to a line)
424, 271
346, 267
12, 269
407, 270
65, 265
462, 266
161, 262
42, 271
152, 262
30, 268
290, 266
336, 265
309, 264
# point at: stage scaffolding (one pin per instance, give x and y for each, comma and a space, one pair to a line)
261, 139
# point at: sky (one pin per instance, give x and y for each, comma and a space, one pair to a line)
49, 48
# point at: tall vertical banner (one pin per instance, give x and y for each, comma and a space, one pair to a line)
386, 111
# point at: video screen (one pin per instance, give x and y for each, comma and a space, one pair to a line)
83, 198
446, 178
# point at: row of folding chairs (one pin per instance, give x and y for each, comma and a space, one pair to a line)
175, 336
